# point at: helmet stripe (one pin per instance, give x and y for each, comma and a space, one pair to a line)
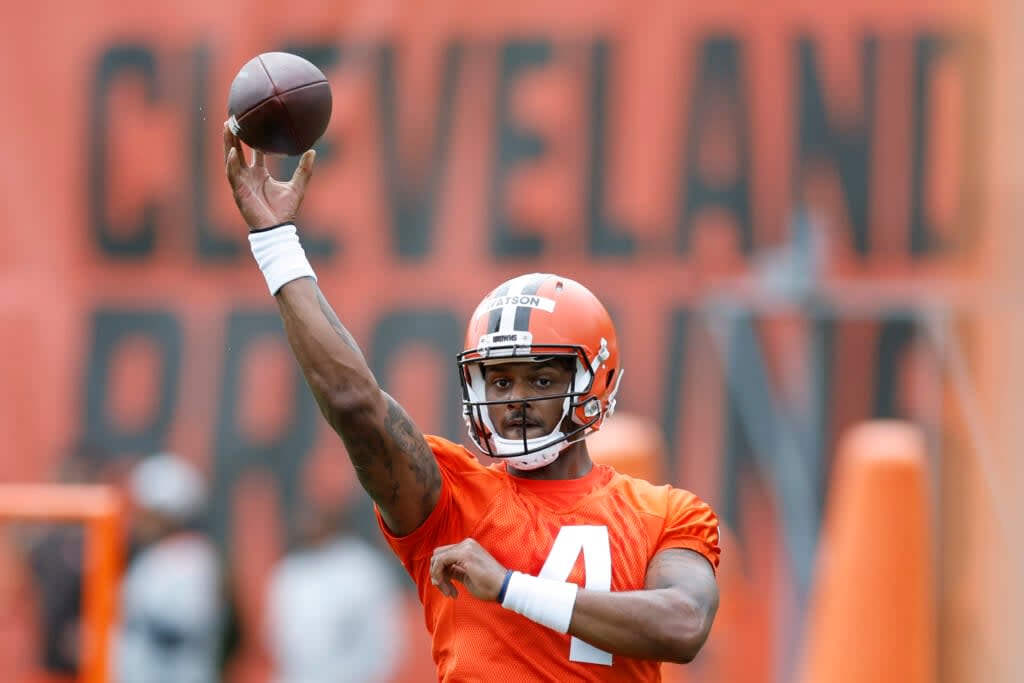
494, 318
524, 284
522, 315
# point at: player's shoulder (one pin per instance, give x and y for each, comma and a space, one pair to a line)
656, 499
449, 450
455, 458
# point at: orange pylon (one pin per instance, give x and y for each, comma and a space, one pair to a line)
872, 613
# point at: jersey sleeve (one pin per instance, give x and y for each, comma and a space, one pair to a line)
447, 523
690, 523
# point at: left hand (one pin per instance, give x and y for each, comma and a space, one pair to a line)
469, 564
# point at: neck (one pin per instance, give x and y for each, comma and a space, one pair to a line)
572, 463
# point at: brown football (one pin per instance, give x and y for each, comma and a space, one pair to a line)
279, 103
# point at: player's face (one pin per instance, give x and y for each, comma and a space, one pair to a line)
517, 382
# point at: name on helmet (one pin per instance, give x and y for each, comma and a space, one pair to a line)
527, 300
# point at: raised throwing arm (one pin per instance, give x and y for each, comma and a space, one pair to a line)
393, 461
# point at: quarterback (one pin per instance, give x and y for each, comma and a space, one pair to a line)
546, 566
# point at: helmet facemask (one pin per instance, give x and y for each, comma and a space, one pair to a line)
578, 404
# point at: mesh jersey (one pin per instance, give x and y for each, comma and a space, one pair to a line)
517, 521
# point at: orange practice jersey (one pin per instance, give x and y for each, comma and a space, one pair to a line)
608, 527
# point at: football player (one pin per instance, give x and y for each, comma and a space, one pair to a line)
544, 566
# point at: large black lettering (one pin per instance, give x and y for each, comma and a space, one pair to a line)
930, 51
235, 452
819, 138
897, 335
413, 196
437, 329
606, 238
111, 330
134, 241
213, 243
717, 99
672, 399
514, 145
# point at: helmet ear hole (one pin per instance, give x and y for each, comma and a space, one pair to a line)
609, 378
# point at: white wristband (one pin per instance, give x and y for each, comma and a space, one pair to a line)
549, 603
280, 256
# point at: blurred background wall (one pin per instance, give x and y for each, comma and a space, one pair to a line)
802, 216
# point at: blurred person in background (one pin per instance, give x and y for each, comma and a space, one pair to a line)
173, 607
334, 610
539, 373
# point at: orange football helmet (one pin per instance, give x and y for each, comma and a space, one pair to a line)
539, 316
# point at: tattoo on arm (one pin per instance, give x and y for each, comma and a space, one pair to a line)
391, 458
385, 475
409, 440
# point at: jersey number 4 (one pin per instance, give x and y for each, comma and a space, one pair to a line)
592, 541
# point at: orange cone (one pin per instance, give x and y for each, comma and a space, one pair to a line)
871, 616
